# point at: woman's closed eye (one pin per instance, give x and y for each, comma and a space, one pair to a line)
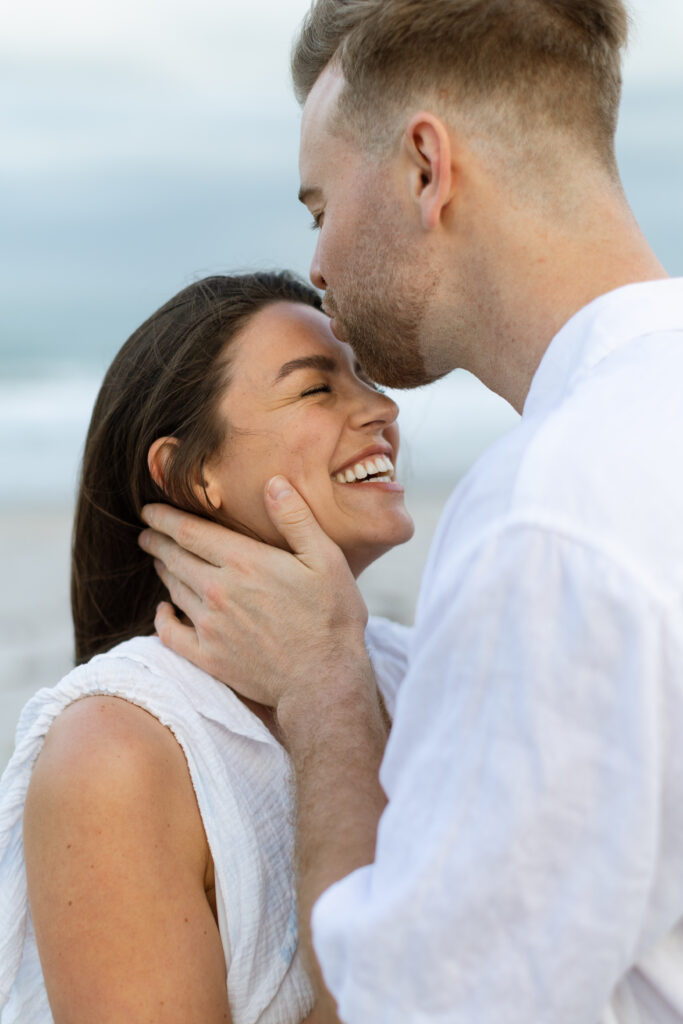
316, 390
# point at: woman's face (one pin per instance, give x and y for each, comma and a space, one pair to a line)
298, 405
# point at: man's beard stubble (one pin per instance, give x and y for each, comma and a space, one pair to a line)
386, 348
385, 338
383, 325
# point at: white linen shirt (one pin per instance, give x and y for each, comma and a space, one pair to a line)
529, 865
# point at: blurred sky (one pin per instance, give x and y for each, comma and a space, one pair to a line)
145, 143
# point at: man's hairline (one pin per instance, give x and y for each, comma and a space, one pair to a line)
478, 132
341, 124
466, 122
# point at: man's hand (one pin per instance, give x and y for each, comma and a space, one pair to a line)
287, 630
271, 624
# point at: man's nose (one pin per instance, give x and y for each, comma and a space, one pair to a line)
315, 273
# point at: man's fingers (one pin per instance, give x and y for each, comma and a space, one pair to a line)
183, 597
293, 518
206, 540
194, 572
174, 634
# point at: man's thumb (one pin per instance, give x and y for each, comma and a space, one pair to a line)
292, 517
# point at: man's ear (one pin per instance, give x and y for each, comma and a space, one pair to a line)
428, 146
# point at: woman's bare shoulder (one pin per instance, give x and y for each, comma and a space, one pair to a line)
104, 729
106, 749
116, 862
107, 759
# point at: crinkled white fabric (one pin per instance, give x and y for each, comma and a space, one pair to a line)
241, 777
388, 645
529, 865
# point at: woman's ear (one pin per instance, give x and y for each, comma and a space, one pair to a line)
157, 458
206, 488
427, 144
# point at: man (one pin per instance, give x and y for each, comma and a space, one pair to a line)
458, 159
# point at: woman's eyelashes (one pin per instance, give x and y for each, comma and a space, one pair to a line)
318, 389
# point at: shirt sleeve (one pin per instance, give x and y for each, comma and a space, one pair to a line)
526, 856
388, 645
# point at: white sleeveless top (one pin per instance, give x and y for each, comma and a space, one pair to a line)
242, 780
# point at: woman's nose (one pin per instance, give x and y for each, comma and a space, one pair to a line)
374, 408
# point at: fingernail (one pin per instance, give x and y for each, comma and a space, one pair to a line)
145, 514
142, 539
279, 488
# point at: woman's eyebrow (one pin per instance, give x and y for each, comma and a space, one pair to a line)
324, 363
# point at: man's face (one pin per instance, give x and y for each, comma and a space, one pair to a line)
366, 259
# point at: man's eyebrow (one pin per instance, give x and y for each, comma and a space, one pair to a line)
307, 192
324, 363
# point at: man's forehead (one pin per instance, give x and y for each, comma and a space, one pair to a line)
323, 97
319, 108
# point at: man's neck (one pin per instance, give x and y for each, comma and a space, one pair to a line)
541, 282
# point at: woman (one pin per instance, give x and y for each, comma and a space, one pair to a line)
147, 815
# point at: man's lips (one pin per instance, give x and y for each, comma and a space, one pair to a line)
330, 311
336, 330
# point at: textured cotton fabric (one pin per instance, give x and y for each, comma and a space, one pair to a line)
529, 865
241, 777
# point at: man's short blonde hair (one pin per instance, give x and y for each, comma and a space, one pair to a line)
532, 64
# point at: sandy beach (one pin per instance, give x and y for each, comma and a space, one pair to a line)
35, 623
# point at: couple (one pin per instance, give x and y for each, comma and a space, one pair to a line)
515, 853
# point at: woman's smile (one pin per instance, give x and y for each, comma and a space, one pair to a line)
370, 466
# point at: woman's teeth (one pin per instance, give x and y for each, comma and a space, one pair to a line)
379, 468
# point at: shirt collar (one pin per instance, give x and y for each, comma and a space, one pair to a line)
600, 328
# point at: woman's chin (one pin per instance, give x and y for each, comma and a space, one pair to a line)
362, 554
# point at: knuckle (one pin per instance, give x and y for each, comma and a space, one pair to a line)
239, 564
185, 533
213, 640
206, 630
296, 517
161, 570
214, 596
174, 588
165, 630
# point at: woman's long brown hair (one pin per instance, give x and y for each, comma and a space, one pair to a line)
167, 380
